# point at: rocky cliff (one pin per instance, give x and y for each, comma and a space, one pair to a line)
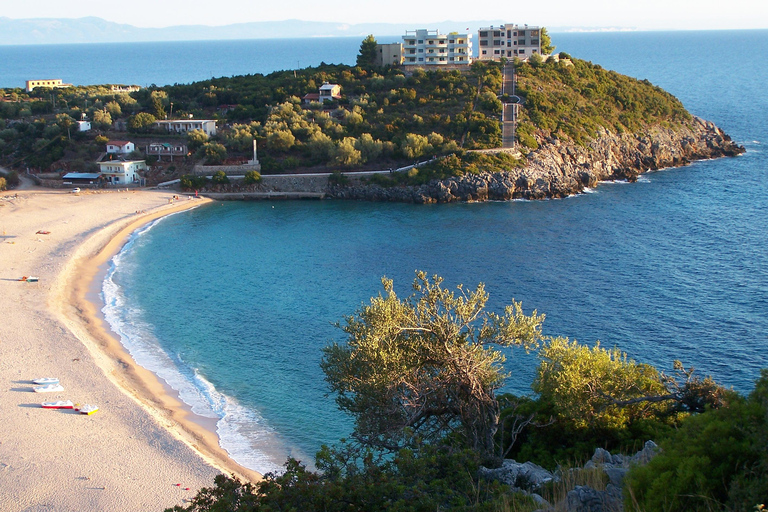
559, 169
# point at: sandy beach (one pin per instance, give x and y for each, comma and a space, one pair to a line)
142, 441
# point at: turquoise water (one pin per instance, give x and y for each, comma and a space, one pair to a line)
232, 302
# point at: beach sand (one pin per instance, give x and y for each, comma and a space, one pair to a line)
142, 442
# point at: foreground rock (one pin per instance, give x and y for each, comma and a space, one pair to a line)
557, 169
529, 478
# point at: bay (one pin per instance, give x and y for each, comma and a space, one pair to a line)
231, 303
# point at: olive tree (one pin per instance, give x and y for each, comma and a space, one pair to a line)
426, 366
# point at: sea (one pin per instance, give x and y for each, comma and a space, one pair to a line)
231, 303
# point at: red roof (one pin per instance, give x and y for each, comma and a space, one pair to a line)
120, 143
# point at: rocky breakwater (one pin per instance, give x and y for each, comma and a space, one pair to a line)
560, 169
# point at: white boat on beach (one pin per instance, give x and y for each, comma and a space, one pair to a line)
46, 380
88, 409
61, 404
48, 388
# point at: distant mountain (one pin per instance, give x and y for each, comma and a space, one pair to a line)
97, 30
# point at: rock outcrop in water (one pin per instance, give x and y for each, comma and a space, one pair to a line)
558, 169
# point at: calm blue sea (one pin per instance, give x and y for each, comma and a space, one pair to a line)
232, 302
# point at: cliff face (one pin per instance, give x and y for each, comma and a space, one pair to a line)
557, 169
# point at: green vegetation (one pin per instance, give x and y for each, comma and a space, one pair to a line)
418, 374
421, 368
715, 461
252, 177
386, 117
366, 59
574, 99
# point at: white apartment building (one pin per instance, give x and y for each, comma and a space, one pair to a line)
508, 41
430, 48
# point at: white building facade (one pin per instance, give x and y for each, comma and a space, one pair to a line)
508, 41
122, 172
120, 147
430, 48
208, 126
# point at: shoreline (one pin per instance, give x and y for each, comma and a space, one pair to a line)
144, 385
143, 450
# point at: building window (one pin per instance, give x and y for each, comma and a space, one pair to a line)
483, 42
484, 52
483, 33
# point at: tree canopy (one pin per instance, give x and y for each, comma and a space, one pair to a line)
366, 59
425, 366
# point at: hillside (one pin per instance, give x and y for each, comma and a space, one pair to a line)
577, 124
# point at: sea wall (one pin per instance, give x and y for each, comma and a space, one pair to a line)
558, 169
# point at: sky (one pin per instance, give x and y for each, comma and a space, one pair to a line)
624, 14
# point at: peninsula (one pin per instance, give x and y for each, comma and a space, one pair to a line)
498, 128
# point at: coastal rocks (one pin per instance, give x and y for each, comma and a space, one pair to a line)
529, 478
525, 476
586, 499
558, 169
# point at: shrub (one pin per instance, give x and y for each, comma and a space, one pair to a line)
252, 177
3, 184
220, 178
191, 182
338, 178
716, 460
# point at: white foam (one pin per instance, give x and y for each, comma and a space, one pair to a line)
242, 432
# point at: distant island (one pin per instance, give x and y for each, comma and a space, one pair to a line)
97, 30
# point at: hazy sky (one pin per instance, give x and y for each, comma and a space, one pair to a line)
638, 14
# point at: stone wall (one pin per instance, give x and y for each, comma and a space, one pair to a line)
229, 170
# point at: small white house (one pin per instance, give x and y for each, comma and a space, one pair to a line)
120, 147
83, 126
122, 172
329, 92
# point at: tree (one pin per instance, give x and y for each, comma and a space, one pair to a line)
366, 59
213, 153
66, 122
425, 367
196, 138
159, 100
345, 153
581, 383
280, 140
415, 145
546, 42
141, 122
102, 118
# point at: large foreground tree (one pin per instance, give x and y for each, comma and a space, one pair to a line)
426, 366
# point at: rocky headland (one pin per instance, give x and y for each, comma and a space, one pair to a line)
559, 168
